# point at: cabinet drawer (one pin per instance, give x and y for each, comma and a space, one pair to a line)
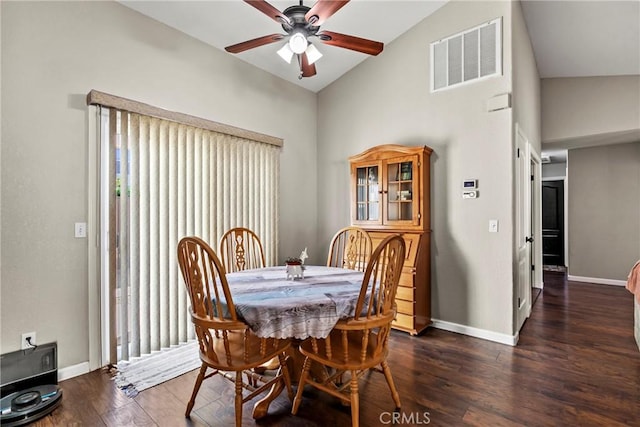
404, 293
405, 307
404, 321
406, 279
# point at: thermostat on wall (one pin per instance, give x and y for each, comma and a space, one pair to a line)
470, 184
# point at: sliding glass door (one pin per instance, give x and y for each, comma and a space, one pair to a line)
162, 180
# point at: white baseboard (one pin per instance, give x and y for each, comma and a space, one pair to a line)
73, 371
484, 334
597, 280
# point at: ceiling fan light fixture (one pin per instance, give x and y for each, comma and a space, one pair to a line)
301, 23
313, 54
286, 53
298, 42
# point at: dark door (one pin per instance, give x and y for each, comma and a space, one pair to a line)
553, 222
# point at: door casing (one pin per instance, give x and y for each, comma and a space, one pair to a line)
522, 273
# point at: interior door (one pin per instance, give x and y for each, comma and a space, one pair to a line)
523, 230
553, 222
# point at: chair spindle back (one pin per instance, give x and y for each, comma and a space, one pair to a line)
350, 248
241, 249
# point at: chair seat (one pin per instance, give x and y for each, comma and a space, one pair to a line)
242, 355
353, 352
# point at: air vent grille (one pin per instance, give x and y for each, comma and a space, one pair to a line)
467, 56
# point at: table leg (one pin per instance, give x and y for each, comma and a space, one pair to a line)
295, 363
261, 408
317, 371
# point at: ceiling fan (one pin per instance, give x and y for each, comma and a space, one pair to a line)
302, 24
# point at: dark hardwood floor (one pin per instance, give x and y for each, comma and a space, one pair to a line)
576, 364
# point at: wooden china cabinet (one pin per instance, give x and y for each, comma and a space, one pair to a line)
390, 195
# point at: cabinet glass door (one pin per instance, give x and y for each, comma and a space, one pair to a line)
401, 178
367, 194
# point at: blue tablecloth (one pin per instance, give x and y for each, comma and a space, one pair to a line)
276, 307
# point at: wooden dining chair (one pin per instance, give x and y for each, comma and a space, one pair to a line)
359, 343
226, 342
350, 248
241, 249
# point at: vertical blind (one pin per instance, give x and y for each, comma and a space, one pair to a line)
168, 180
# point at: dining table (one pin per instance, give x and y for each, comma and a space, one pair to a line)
277, 306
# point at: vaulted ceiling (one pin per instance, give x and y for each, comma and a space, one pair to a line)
223, 23
569, 38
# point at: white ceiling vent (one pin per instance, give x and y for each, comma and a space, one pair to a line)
467, 56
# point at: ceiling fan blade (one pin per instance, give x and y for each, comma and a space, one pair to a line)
308, 70
270, 11
322, 10
358, 44
250, 44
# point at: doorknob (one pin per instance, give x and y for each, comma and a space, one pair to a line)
529, 239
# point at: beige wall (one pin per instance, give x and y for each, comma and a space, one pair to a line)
578, 107
53, 53
387, 100
526, 82
554, 170
603, 181
604, 210
526, 116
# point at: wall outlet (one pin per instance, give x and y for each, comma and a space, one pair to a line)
29, 336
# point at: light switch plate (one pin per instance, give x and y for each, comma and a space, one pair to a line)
80, 230
493, 226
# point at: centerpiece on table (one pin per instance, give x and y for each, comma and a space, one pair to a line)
295, 266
